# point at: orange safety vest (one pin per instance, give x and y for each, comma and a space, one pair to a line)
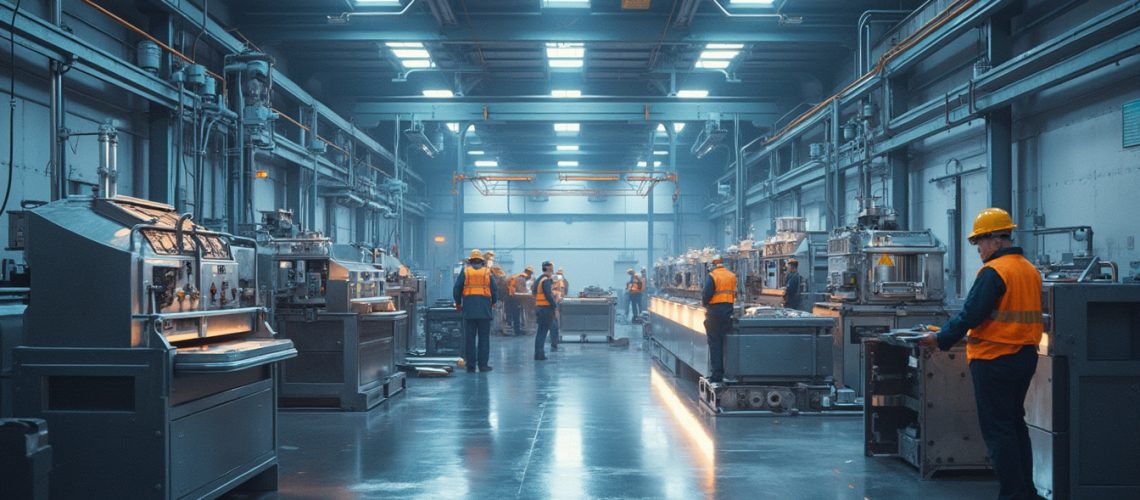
635, 284
1017, 320
539, 297
477, 282
725, 286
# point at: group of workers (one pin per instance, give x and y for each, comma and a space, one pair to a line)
477, 290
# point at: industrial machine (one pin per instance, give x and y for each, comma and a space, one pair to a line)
683, 276
13, 303
1082, 405
407, 291
443, 330
919, 405
879, 278
588, 317
776, 360
331, 302
791, 241
147, 352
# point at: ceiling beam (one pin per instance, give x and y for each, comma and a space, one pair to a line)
586, 109
514, 27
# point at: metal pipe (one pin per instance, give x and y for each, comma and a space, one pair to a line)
108, 161
864, 33
739, 226
178, 230
345, 17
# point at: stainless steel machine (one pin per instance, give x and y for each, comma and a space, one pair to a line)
776, 360
879, 279
147, 352
1084, 403
407, 290
331, 302
588, 317
919, 405
791, 241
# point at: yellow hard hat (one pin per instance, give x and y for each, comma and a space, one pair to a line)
717, 259
991, 220
490, 253
475, 255
629, 271
530, 269
793, 261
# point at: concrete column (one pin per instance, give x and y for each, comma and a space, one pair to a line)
999, 141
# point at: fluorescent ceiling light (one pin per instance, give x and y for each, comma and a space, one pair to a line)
567, 147
377, 3
441, 93
725, 46
678, 126
486, 163
661, 153
565, 50
713, 64
417, 63
644, 163
471, 129
411, 53
566, 4
476, 153
752, 3
567, 127
567, 163
692, 93
566, 93
453, 127
565, 63
719, 54
405, 45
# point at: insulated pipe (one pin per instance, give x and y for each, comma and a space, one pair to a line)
108, 161
864, 34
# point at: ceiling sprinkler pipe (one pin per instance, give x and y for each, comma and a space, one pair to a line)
346, 17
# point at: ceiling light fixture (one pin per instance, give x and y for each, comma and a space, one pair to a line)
567, 147
692, 93
567, 127
476, 153
486, 163
419, 140
440, 93
566, 93
567, 163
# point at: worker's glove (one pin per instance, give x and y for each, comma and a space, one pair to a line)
928, 341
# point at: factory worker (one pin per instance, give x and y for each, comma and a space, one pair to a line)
517, 285
1002, 323
546, 305
634, 288
792, 285
718, 296
475, 294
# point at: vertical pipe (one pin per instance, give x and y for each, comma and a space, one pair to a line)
461, 168
677, 212
57, 117
398, 171
313, 134
739, 226
836, 218
999, 152
649, 163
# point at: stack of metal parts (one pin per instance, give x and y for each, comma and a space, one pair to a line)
443, 329
791, 241
776, 360
919, 405
331, 303
879, 279
586, 319
1084, 400
148, 353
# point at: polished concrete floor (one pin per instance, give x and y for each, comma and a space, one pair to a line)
593, 421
